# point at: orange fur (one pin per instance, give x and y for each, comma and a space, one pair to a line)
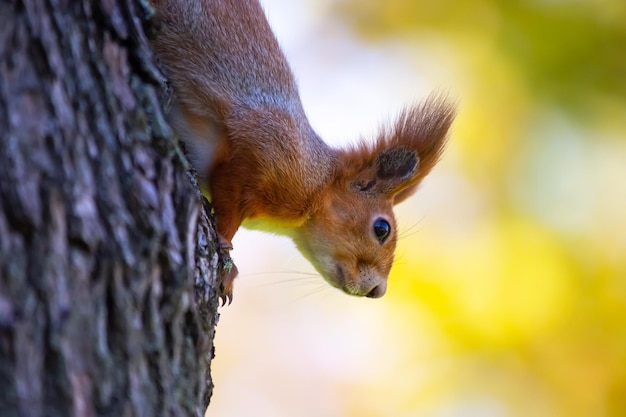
238, 110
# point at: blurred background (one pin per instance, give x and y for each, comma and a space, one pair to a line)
508, 297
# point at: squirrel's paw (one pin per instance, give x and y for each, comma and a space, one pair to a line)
226, 285
228, 271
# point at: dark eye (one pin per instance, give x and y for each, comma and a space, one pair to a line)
382, 229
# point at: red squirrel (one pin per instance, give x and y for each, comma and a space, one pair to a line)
237, 109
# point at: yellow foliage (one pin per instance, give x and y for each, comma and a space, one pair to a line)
525, 302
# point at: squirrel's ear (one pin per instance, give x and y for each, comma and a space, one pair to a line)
396, 164
394, 167
406, 152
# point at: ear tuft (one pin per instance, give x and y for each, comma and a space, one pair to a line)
402, 154
424, 128
397, 163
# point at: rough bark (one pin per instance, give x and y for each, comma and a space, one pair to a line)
107, 250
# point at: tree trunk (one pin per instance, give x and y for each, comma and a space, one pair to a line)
107, 250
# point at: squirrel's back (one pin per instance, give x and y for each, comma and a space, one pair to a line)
231, 81
236, 103
231, 55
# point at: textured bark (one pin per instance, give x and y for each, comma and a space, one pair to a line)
107, 252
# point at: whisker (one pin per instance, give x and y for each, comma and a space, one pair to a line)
399, 261
294, 281
312, 274
292, 278
320, 289
411, 230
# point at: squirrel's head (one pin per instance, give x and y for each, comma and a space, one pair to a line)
350, 236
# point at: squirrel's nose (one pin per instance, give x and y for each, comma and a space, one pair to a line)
378, 291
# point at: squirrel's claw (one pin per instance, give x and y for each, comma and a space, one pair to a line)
229, 271
226, 285
226, 299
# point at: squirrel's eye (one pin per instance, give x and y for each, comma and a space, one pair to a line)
382, 229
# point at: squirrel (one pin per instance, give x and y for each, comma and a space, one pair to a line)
237, 109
